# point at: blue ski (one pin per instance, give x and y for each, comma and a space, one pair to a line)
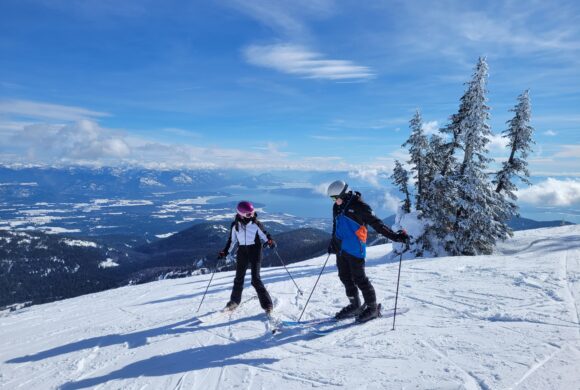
317, 321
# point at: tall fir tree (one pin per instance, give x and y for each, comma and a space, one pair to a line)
466, 215
481, 214
519, 135
418, 146
434, 159
400, 178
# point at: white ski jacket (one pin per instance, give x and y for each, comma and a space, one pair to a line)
252, 233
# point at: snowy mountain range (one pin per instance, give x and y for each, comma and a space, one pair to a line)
36, 267
508, 320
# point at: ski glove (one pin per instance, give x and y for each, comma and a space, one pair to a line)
269, 244
222, 255
402, 236
332, 248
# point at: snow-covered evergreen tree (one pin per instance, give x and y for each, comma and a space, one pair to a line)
418, 146
481, 214
434, 159
471, 118
439, 215
400, 178
519, 135
462, 211
466, 215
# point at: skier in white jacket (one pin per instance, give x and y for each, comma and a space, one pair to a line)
250, 235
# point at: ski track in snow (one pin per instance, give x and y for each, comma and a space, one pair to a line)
510, 320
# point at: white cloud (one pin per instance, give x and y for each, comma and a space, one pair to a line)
369, 175
321, 188
85, 142
300, 61
401, 154
273, 149
497, 142
391, 202
552, 192
550, 133
569, 151
431, 127
82, 140
31, 109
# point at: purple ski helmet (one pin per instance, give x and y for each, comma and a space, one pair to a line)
245, 209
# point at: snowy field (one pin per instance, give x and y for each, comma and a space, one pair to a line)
507, 321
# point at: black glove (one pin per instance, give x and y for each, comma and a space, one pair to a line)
332, 248
402, 236
222, 255
269, 244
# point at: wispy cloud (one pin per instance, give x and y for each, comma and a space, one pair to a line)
338, 138
367, 124
480, 27
273, 149
32, 109
550, 133
503, 29
300, 61
287, 18
182, 132
569, 151
552, 192
87, 143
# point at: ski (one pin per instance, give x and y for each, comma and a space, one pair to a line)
316, 321
218, 314
324, 330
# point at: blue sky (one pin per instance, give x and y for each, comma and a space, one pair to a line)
311, 84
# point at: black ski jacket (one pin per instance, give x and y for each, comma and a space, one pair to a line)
349, 227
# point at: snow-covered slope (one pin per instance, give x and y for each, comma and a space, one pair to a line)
492, 322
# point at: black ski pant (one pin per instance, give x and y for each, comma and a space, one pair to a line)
250, 255
351, 271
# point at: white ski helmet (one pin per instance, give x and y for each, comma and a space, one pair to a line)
337, 188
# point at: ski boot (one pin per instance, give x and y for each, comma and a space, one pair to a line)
370, 312
269, 310
350, 310
231, 306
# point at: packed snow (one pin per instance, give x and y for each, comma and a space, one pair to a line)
166, 235
70, 242
505, 321
109, 263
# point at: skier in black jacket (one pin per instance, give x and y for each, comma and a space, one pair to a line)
351, 215
249, 234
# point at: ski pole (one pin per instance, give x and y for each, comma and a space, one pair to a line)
207, 288
277, 254
398, 279
313, 288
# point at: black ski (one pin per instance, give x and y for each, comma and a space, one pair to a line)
327, 328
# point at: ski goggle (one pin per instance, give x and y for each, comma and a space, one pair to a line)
334, 197
248, 214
